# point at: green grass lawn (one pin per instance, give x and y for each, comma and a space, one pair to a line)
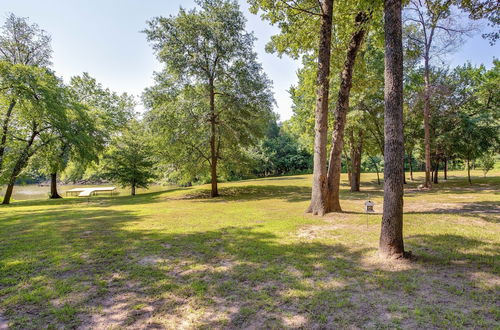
252, 258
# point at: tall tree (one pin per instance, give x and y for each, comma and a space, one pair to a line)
437, 32
319, 185
341, 108
20, 43
42, 116
391, 235
209, 61
297, 19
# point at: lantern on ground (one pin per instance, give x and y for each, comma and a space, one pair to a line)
369, 206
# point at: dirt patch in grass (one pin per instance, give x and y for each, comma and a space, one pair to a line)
313, 232
295, 321
486, 280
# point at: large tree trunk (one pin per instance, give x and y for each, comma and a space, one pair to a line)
132, 192
334, 168
213, 150
319, 191
5, 128
427, 110
356, 152
391, 235
53, 186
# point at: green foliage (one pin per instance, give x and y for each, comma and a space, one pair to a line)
127, 160
109, 110
281, 154
475, 105
40, 113
299, 24
487, 162
212, 100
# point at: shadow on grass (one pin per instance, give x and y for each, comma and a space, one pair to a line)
254, 193
446, 248
89, 268
281, 178
488, 211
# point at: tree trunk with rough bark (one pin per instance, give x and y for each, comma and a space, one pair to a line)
132, 192
319, 191
334, 168
53, 186
391, 236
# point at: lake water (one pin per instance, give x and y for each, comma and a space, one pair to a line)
32, 191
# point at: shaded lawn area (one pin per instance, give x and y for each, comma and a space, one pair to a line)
251, 258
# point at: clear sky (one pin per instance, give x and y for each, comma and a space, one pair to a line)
102, 37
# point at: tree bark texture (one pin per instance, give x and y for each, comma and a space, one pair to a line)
53, 186
391, 236
319, 191
341, 108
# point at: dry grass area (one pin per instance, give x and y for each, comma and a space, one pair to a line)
252, 259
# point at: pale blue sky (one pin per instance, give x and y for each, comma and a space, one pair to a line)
102, 37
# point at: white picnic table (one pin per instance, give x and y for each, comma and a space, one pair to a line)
87, 192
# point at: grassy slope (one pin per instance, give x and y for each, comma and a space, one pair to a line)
251, 258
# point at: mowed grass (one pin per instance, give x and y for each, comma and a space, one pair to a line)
252, 258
